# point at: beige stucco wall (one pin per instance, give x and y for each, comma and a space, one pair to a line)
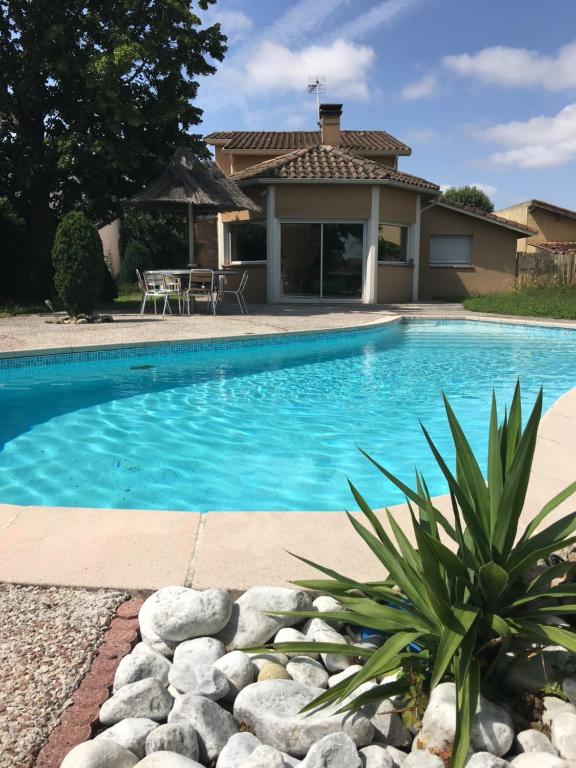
394, 283
222, 159
255, 287
256, 193
323, 201
240, 161
110, 236
493, 256
397, 206
517, 213
550, 226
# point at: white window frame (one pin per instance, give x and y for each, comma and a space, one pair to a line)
228, 244
408, 227
453, 264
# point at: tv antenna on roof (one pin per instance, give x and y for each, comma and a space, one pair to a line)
316, 84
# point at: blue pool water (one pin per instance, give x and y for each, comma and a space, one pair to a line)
272, 426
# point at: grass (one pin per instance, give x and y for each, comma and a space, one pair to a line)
129, 299
551, 301
11, 310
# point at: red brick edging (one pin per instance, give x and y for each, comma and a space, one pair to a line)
79, 720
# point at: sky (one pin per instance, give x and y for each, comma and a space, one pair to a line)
484, 92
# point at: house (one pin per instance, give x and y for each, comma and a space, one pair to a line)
551, 223
340, 222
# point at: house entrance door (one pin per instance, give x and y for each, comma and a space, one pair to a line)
322, 261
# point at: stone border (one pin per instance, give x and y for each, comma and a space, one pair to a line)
79, 721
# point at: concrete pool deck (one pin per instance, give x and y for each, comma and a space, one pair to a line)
144, 550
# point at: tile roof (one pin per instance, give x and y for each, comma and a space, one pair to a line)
284, 141
482, 214
552, 208
557, 246
322, 162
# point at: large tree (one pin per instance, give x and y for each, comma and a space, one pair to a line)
471, 196
94, 97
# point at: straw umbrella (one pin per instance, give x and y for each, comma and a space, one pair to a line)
189, 184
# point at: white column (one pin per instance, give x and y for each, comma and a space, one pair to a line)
223, 256
370, 293
273, 267
415, 250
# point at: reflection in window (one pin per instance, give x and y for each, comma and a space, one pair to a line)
392, 243
248, 241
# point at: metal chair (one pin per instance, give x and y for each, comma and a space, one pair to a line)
173, 287
152, 286
201, 283
237, 292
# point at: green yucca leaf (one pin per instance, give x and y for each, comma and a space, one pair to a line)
495, 469
545, 633
493, 581
453, 634
342, 649
367, 511
540, 545
344, 580
549, 574
409, 553
377, 694
554, 593
546, 510
513, 428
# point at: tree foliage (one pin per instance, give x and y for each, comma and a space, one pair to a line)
94, 97
12, 234
79, 266
136, 256
471, 196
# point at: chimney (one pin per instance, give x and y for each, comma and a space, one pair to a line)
329, 122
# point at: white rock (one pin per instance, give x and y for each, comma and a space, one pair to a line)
398, 757
143, 662
569, 688
201, 679
264, 757
291, 635
486, 760
168, 760
237, 748
492, 729
99, 754
190, 613
336, 750
173, 692
213, 725
538, 760
259, 660
564, 735
320, 632
272, 710
532, 740
553, 707
147, 611
173, 737
249, 623
200, 650
327, 603
388, 725
348, 672
421, 758
305, 670
376, 756
130, 734
145, 698
238, 670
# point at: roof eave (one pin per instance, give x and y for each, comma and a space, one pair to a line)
522, 231
364, 182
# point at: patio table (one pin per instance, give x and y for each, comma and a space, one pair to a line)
219, 273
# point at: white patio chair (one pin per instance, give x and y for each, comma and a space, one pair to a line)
237, 292
152, 286
173, 287
201, 283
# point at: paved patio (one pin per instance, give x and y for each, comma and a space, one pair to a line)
144, 550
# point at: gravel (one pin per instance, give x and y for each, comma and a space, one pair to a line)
48, 636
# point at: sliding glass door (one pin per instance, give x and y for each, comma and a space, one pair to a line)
322, 260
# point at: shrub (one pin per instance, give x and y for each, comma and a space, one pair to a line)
136, 256
467, 607
472, 196
79, 263
109, 290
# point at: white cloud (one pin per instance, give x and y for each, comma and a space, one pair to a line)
235, 24
540, 142
488, 189
421, 136
300, 20
426, 86
274, 67
382, 14
518, 67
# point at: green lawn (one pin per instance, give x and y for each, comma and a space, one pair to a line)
556, 302
128, 300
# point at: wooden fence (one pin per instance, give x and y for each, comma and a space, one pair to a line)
543, 268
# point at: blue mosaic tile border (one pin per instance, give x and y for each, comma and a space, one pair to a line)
520, 327
175, 348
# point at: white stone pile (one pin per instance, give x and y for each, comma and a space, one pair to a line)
189, 697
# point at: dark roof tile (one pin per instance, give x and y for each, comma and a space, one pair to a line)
377, 141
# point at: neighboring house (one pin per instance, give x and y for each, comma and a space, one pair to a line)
340, 222
551, 223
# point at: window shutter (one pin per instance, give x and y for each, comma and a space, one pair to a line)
449, 250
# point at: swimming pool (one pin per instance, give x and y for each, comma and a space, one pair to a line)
261, 424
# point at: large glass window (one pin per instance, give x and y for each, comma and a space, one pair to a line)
248, 241
393, 243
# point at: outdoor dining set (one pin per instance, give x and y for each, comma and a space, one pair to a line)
185, 286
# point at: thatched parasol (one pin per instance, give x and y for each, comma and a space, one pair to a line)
193, 185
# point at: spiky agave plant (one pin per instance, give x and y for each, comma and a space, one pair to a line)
461, 596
